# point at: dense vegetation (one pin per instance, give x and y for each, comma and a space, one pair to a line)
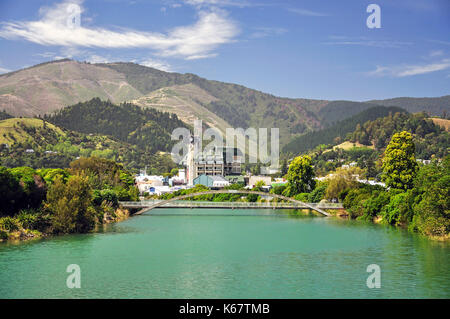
430, 139
52, 201
148, 129
39, 144
366, 144
337, 132
436, 106
414, 197
422, 207
337, 111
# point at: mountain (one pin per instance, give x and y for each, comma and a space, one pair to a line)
437, 106
47, 87
339, 130
219, 103
336, 111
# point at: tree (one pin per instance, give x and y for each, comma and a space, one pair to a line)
300, 176
33, 186
284, 167
399, 162
432, 212
371, 169
342, 179
71, 205
11, 193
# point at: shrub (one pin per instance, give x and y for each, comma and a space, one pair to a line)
303, 197
3, 235
399, 209
27, 219
278, 190
105, 195
318, 193
375, 203
8, 223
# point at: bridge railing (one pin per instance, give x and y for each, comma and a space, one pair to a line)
188, 203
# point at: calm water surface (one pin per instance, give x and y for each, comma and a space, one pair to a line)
213, 253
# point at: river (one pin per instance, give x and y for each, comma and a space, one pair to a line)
220, 253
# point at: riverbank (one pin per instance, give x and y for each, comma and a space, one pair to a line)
17, 228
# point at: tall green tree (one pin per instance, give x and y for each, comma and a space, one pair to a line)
300, 176
399, 162
71, 205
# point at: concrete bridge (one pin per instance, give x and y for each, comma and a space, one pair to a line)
179, 202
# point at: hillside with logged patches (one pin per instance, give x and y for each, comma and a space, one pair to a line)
51, 86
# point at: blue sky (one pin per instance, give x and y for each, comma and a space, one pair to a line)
308, 49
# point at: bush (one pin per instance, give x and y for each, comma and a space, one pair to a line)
8, 223
27, 219
318, 193
303, 197
3, 235
355, 200
375, 203
399, 209
105, 195
278, 190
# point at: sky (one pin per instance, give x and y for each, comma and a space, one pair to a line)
320, 49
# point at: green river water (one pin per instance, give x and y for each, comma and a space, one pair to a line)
215, 253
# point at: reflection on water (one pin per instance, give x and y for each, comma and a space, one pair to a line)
218, 253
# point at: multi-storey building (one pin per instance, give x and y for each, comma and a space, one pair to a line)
217, 161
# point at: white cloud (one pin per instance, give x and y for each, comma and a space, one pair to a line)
157, 64
3, 70
410, 70
364, 41
212, 29
310, 13
94, 58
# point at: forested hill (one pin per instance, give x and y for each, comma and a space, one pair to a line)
47, 87
339, 130
439, 106
147, 128
430, 139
